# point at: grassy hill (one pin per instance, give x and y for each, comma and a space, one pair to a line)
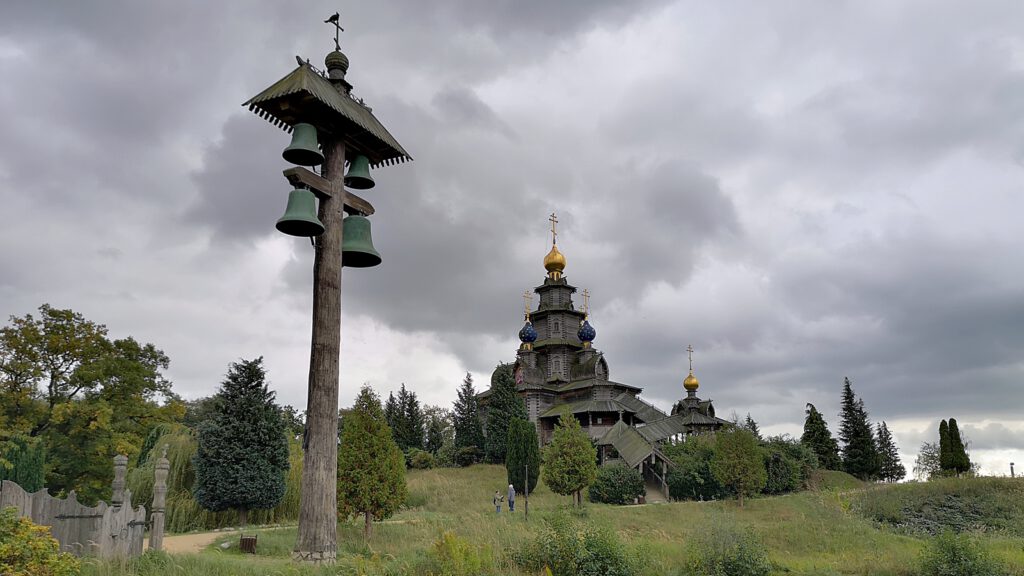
834, 529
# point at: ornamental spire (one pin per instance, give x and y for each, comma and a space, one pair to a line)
527, 304
554, 262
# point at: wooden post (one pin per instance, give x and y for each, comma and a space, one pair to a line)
317, 541
156, 531
120, 469
526, 493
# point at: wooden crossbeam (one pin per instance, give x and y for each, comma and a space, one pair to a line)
324, 188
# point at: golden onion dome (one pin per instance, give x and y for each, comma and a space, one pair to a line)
554, 261
691, 383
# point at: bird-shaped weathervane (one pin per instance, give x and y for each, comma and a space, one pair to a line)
334, 20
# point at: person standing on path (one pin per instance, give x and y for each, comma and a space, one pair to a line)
511, 498
497, 501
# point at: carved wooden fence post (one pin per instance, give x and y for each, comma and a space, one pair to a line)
120, 469
156, 531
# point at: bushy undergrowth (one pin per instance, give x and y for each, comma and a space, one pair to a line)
724, 550
454, 556
570, 547
952, 554
28, 549
419, 459
617, 484
956, 504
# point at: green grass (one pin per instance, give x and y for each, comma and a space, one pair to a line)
818, 532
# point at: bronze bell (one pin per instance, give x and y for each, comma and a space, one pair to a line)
357, 249
303, 150
300, 216
358, 176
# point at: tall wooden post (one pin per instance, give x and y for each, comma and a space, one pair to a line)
120, 469
156, 531
318, 505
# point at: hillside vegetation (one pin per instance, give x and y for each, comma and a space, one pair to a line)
450, 527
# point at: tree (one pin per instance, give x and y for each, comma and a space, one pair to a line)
860, 456
242, 453
503, 406
570, 460
22, 460
926, 465
945, 449
691, 478
439, 428
751, 426
405, 418
818, 438
959, 459
371, 468
523, 456
738, 463
468, 427
891, 468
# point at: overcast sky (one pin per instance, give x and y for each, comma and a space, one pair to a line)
803, 191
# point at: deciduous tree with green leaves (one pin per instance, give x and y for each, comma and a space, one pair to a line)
371, 468
818, 438
570, 460
523, 456
242, 453
503, 406
738, 463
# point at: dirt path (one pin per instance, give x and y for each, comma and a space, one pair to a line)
189, 543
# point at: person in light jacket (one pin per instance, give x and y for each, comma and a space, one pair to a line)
511, 498
498, 498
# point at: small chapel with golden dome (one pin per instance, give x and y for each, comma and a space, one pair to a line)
558, 370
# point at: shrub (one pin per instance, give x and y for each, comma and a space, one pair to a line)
569, 547
468, 455
691, 478
29, 549
783, 473
724, 550
445, 457
951, 554
421, 460
455, 556
617, 484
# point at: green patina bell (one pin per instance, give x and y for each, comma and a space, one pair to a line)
357, 248
300, 216
358, 176
303, 150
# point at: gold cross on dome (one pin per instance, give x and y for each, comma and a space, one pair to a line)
527, 303
554, 235
586, 302
689, 352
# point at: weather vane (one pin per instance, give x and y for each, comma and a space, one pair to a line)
527, 303
337, 29
554, 235
689, 352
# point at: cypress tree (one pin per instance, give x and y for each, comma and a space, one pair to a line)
371, 468
523, 455
570, 460
468, 427
959, 459
891, 468
818, 438
242, 451
504, 406
860, 455
945, 449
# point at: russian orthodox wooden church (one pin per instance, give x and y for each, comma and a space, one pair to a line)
558, 370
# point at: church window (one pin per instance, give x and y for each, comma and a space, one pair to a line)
598, 419
557, 332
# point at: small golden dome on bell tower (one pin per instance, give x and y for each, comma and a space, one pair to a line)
690, 383
554, 262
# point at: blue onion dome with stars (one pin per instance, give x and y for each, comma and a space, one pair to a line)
528, 334
587, 332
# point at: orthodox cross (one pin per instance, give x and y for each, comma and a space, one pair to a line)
689, 352
527, 303
586, 302
554, 235
337, 28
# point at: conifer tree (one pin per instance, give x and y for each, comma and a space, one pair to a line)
738, 462
945, 449
468, 427
392, 415
439, 428
22, 461
371, 468
523, 456
503, 406
818, 438
413, 423
570, 460
891, 469
751, 426
959, 459
242, 452
860, 456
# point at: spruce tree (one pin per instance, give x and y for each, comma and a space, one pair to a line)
959, 459
818, 438
468, 427
570, 460
371, 468
891, 469
503, 406
751, 426
242, 451
393, 416
860, 456
413, 425
523, 456
945, 449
